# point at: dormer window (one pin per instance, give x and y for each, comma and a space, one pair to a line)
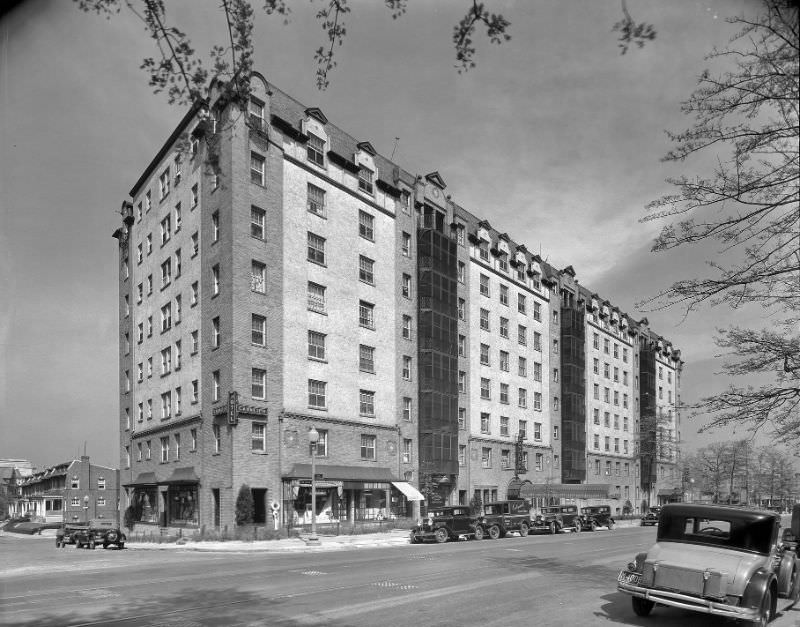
315, 150
483, 250
365, 176
521, 273
502, 260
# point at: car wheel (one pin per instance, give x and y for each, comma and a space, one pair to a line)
91, 544
121, 545
524, 529
479, 533
58, 543
611, 525
105, 545
494, 532
578, 526
794, 595
413, 539
441, 535
553, 528
642, 607
594, 526
765, 611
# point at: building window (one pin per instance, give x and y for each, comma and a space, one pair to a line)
215, 385
193, 436
484, 285
366, 270
485, 388
315, 200
366, 358
368, 446
504, 361
483, 250
215, 430
166, 273
505, 458
215, 332
178, 401
405, 244
258, 330
365, 177
539, 458
406, 327
406, 368
258, 218
316, 394
258, 437
486, 457
522, 397
315, 150
504, 425
406, 286
147, 449
165, 230
522, 335
408, 445
504, 393
257, 168
537, 311
316, 248
504, 295
484, 317
195, 391
462, 268
485, 422
462, 314
462, 382
537, 341
316, 297
523, 429
503, 327
462, 417
316, 345
215, 226
322, 443
258, 277
407, 409
484, 354
366, 314
164, 449
195, 243
215, 280
555, 374
523, 367
366, 226
366, 403
259, 383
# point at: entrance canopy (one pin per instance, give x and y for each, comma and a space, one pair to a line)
144, 478
410, 492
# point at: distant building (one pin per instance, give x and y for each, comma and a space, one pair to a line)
277, 274
73, 491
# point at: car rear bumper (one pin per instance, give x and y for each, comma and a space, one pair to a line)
687, 601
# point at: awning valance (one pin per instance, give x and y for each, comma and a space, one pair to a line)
668, 491
410, 492
345, 473
144, 478
182, 475
567, 490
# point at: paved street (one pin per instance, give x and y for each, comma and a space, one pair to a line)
539, 580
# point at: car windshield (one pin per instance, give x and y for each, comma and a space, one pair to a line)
733, 533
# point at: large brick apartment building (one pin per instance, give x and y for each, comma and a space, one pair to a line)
276, 274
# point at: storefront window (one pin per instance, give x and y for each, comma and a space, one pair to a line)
144, 504
182, 505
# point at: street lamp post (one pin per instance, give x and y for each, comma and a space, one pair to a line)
313, 438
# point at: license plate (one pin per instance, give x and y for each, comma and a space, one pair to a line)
626, 577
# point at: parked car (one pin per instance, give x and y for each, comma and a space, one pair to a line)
714, 559
651, 517
501, 517
443, 524
596, 516
555, 518
97, 531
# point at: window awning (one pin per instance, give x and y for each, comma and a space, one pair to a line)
345, 473
144, 478
410, 492
182, 475
668, 491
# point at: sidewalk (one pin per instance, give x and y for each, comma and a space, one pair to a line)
395, 537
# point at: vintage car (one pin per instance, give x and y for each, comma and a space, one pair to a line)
596, 516
97, 531
714, 559
555, 518
443, 524
651, 517
501, 517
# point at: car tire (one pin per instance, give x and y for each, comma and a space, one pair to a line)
553, 528
786, 574
765, 611
480, 533
524, 529
794, 595
642, 607
441, 535
412, 539
91, 544
121, 545
105, 545
578, 527
494, 532
58, 543
593, 525
611, 524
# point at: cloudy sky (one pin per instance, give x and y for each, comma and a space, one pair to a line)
554, 137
